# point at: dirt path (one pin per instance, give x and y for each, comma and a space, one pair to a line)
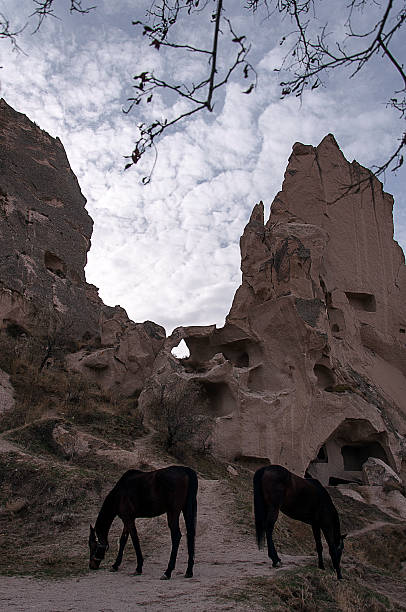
225, 557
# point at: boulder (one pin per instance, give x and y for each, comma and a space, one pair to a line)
16, 505
70, 442
378, 473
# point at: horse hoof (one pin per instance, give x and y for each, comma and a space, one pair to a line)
189, 575
165, 577
114, 569
277, 564
137, 572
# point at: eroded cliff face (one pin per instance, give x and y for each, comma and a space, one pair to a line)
309, 370
45, 234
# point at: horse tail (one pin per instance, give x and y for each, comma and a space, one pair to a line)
190, 509
259, 507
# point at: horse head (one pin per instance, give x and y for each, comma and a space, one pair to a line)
97, 550
339, 547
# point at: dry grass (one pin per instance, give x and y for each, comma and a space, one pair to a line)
308, 591
42, 538
48, 536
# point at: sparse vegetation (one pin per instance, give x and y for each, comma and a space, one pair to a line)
308, 591
41, 538
180, 409
48, 494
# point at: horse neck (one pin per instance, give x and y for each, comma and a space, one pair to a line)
105, 517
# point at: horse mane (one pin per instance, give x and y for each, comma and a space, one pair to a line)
322, 490
326, 498
108, 509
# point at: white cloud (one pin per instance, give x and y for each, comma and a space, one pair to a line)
169, 251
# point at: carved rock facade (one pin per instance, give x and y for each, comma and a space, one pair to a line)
309, 370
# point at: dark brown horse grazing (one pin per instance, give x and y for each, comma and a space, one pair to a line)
303, 499
137, 494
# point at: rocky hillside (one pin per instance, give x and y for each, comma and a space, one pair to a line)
308, 371
44, 298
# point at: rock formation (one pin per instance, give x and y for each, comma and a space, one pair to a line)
45, 234
309, 370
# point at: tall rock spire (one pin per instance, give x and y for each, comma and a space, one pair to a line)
309, 370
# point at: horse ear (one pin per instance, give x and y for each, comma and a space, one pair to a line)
91, 530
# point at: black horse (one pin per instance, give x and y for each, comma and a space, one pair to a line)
303, 499
138, 494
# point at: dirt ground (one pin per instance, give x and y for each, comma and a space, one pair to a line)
228, 570
225, 558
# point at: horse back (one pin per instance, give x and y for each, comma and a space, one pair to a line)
299, 498
148, 494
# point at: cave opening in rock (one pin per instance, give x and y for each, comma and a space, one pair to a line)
322, 455
325, 377
14, 330
54, 264
181, 351
361, 301
355, 455
220, 397
341, 457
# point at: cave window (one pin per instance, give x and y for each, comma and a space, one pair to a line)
362, 301
54, 264
322, 456
16, 331
354, 456
242, 361
325, 377
402, 330
181, 351
335, 328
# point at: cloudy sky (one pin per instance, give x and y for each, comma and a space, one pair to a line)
169, 251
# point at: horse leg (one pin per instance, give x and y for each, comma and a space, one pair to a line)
123, 542
335, 560
319, 545
190, 535
137, 547
269, 526
173, 524
335, 554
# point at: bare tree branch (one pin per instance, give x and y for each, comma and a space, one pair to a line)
165, 14
312, 54
6, 32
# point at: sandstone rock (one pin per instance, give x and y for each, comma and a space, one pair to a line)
309, 369
127, 362
232, 471
377, 473
397, 502
6, 393
70, 442
17, 505
45, 234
